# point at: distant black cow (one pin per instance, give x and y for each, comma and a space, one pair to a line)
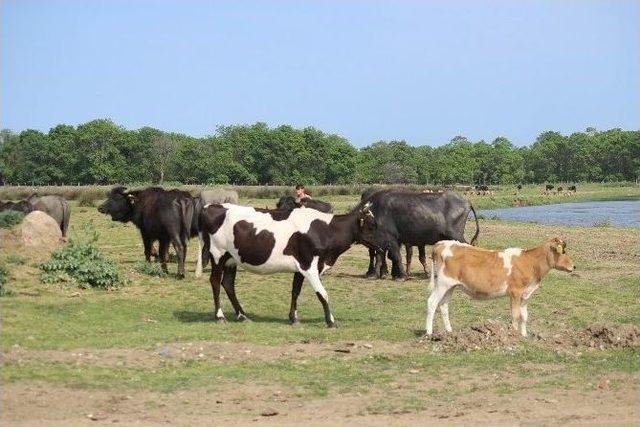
548, 187
289, 203
572, 188
413, 219
163, 215
21, 206
519, 187
54, 206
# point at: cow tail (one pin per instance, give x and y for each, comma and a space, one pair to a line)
199, 260
432, 283
474, 240
186, 208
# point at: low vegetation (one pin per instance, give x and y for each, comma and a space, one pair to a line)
81, 263
10, 218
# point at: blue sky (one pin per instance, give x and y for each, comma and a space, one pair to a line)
368, 70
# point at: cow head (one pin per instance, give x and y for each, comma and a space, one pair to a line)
367, 224
558, 251
119, 204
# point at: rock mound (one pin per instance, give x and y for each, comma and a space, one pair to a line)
609, 335
486, 334
38, 230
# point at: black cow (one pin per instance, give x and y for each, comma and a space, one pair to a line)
413, 219
21, 206
305, 242
289, 203
572, 188
548, 187
163, 215
519, 186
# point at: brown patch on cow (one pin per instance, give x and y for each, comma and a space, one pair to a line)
276, 214
253, 248
212, 218
481, 269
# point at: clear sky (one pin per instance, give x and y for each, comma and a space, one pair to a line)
368, 70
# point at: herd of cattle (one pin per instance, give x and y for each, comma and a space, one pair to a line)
306, 239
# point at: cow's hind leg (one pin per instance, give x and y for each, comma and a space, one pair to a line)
163, 249
229, 284
148, 246
409, 255
181, 252
313, 277
397, 269
214, 279
422, 256
296, 288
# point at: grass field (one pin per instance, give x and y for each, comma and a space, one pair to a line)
150, 352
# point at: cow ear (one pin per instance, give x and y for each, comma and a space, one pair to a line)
131, 198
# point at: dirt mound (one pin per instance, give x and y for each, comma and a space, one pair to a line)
609, 335
487, 334
39, 230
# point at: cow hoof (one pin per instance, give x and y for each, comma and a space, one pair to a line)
332, 325
180, 276
243, 318
400, 279
296, 323
221, 320
370, 276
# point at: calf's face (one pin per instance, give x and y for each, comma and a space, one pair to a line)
119, 205
367, 226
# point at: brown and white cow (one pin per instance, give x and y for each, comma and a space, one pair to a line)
484, 273
304, 241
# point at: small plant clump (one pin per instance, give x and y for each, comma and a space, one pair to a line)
4, 278
80, 262
150, 269
10, 218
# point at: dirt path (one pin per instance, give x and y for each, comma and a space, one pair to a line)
238, 404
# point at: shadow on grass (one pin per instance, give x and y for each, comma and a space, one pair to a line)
208, 317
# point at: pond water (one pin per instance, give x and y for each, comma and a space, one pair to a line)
622, 213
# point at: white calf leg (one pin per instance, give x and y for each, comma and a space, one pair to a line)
313, 277
524, 315
444, 310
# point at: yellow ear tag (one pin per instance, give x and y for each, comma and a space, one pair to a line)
560, 249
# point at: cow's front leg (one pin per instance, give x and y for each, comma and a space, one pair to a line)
371, 271
296, 288
148, 245
409, 255
313, 277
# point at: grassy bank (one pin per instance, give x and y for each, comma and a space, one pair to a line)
157, 335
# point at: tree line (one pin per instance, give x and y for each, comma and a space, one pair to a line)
101, 152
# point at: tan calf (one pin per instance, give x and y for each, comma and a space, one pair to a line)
484, 273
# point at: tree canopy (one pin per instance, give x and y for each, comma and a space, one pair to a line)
101, 152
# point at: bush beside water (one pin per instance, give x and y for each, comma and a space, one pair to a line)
80, 262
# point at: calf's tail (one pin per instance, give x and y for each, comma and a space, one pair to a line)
199, 260
432, 280
474, 240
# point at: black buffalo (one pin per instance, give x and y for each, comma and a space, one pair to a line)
53, 205
162, 215
413, 219
21, 206
289, 203
548, 187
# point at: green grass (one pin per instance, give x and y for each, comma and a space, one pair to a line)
152, 311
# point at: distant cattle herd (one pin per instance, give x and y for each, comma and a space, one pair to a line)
302, 236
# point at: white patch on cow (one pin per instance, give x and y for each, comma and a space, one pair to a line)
299, 220
506, 256
332, 319
219, 313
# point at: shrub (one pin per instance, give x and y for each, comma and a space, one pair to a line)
81, 262
10, 218
150, 269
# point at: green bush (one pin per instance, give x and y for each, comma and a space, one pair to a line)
89, 198
10, 218
80, 262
